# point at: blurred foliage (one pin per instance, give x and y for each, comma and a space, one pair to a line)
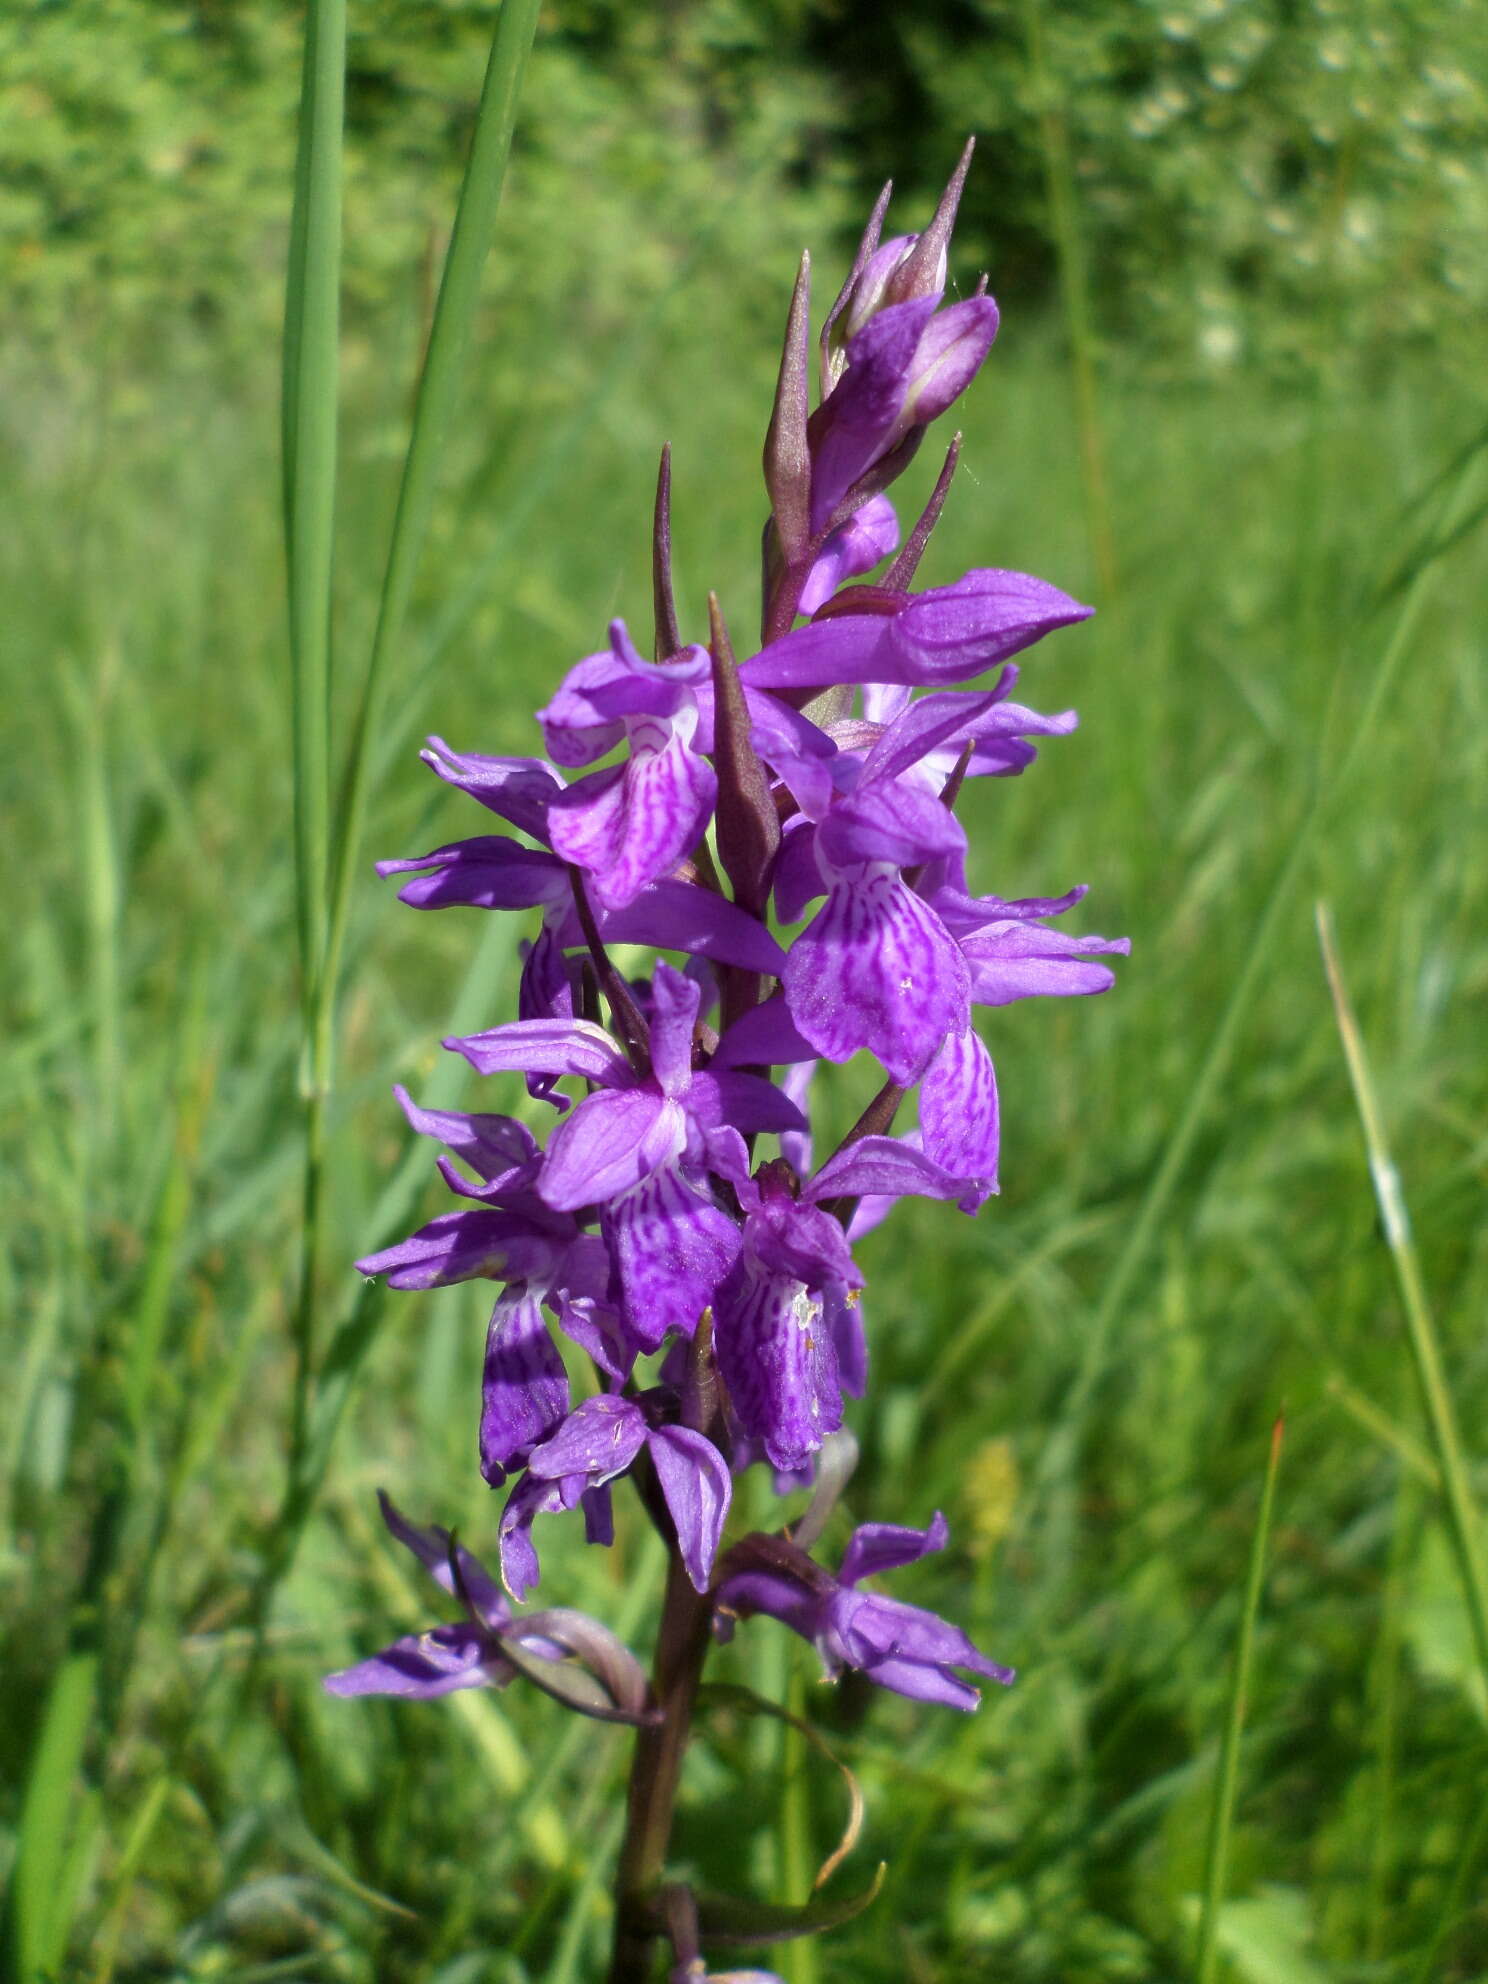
1279, 178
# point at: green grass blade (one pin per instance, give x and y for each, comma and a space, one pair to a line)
1217, 1852
439, 384
41, 1914
1463, 1518
311, 332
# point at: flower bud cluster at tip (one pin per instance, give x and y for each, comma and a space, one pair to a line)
781, 832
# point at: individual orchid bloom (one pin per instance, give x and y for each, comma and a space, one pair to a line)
597, 1444
785, 1324
876, 968
638, 1149
442, 1659
898, 1646
928, 639
908, 364
634, 822
870, 535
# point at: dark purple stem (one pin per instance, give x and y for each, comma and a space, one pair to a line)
681, 1648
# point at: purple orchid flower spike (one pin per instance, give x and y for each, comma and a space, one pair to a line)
898, 1646
690, 805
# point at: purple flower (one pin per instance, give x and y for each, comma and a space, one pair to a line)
785, 1324
870, 534
898, 1646
909, 363
441, 1659
632, 824
639, 1147
592, 1448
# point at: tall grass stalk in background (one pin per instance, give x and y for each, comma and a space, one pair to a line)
1227, 1777
1464, 1519
326, 859
311, 395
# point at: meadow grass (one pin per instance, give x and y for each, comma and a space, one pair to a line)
1284, 701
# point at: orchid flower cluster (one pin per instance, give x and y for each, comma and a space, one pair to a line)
782, 832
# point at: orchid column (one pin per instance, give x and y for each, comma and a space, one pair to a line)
782, 832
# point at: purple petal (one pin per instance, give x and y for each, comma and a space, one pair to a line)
1020, 960
671, 1247
842, 1312
888, 821
681, 916
869, 535
631, 825
876, 969
431, 1546
850, 648
888, 1167
424, 1666
860, 419
498, 1148
459, 1246
925, 726
948, 357
958, 1113
747, 1103
599, 1440
549, 1047
528, 1500
765, 1037
674, 1011
524, 1387
947, 634
798, 879
875, 1630
778, 1362
612, 1140
877, 1547
695, 1481
797, 1239
489, 872
518, 789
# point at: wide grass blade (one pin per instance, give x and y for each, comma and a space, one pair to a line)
439, 383
47, 1862
1217, 1852
1463, 1519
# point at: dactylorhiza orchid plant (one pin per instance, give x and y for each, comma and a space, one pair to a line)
782, 832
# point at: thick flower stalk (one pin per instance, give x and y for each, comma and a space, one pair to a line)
678, 1295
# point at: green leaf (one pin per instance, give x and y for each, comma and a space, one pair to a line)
754, 1923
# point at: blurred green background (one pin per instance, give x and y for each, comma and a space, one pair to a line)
1238, 401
